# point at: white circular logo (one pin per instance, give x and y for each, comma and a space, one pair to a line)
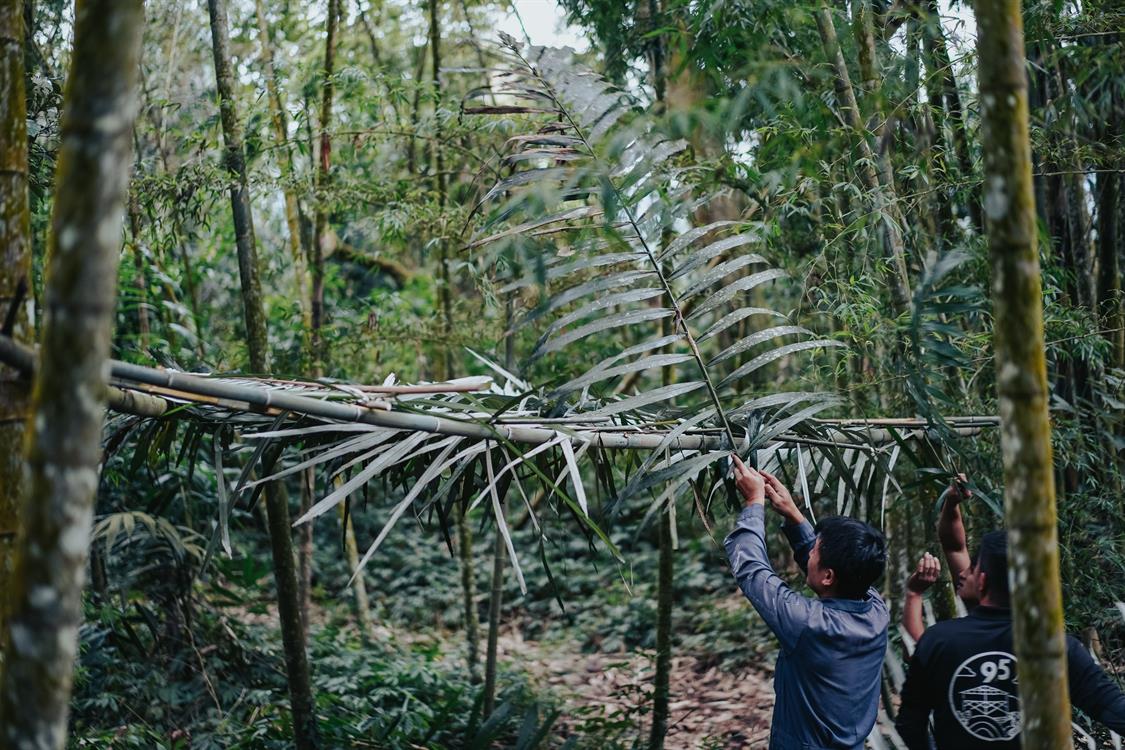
984, 696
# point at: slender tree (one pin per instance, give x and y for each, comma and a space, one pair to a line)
15, 265
235, 162
495, 602
280, 123
445, 364
306, 733
68, 402
875, 182
322, 234
1021, 380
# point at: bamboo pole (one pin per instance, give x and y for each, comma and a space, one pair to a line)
1021, 380
22, 360
305, 729
237, 397
879, 183
323, 173
15, 267
63, 446
280, 125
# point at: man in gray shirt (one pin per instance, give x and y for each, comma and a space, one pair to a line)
826, 681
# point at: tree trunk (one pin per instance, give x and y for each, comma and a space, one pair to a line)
139, 272
863, 28
68, 405
495, 601
883, 194
285, 166
351, 551
304, 291
468, 580
959, 128
664, 602
15, 285
1025, 440
235, 163
445, 368
321, 236
306, 734
1109, 271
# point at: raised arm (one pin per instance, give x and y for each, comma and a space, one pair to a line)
951, 529
921, 579
785, 611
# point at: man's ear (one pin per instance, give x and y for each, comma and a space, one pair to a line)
827, 578
982, 584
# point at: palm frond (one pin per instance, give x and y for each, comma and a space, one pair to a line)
597, 213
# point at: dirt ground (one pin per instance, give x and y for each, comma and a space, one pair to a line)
709, 708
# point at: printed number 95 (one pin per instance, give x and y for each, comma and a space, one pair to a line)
996, 670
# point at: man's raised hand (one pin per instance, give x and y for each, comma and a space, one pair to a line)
749, 482
780, 499
924, 575
958, 490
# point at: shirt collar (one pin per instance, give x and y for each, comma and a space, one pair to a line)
991, 613
848, 605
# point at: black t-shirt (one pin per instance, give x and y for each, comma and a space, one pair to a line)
964, 672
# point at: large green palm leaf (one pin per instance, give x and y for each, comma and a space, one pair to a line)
597, 212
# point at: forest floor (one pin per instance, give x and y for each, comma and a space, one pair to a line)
710, 707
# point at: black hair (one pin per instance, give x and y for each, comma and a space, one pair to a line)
992, 554
855, 551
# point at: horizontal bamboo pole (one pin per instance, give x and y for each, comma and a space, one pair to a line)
214, 392
23, 359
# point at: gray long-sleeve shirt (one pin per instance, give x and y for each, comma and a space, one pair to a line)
826, 681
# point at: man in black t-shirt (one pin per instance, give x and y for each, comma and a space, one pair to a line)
964, 672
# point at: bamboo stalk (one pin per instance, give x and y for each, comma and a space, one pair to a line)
1021, 379
258, 399
63, 447
15, 266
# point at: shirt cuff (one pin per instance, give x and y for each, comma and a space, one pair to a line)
798, 532
750, 511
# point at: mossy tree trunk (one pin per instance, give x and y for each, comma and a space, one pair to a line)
306, 734
1025, 439
15, 267
63, 447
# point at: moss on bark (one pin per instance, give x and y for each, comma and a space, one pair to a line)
1029, 494
15, 263
68, 402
